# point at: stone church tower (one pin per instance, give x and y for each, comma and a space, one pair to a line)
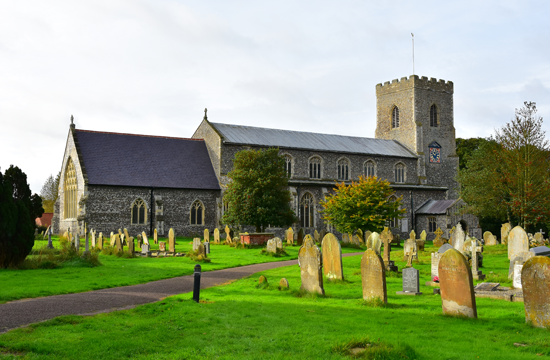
418, 112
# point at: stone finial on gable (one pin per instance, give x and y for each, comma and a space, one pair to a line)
72, 122
205, 116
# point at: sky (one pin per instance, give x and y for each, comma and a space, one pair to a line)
152, 67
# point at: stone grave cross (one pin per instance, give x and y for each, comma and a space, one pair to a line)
411, 254
438, 232
476, 274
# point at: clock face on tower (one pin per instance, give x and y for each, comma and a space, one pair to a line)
435, 155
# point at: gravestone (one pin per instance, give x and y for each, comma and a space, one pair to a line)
227, 233
410, 257
144, 238
374, 242
517, 242
126, 235
535, 279
162, 246
359, 233
145, 249
345, 238
66, 235
206, 235
139, 241
409, 247
357, 240
77, 241
206, 248
131, 246
262, 279
301, 234
118, 243
216, 236
411, 282
373, 277
171, 241
322, 234
92, 233
491, 240
122, 239
444, 248
196, 243
539, 239
423, 235
310, 262
412, 235
517, 276
201, 250
290, 236
504, 231
435, 264
452, 237
155, 237
540, 250
420, 244
316, 236
271, 246
278, 243
283, 284
459, 238
474, 249
520, 258
100, 241
367, 235
332, 257
438, 241
387, 237
50, 245
112, 242
457, 285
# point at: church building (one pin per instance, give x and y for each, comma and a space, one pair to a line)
141, 182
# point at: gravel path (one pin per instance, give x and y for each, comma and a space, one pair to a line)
27, 311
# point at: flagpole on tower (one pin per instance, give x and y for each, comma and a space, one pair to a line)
413, 50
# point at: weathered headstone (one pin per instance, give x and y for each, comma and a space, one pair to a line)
278, 243
262, 279
357, 240
126, 235
112, 242
411, 282
283, 284
144, 238
139, 240
504, 231
474, 249
435, 264
227, 233
374, 242
444, 248
100, 241
322, 234
438, 241
201, 250
145, 249
535, 279
423, 235
196, 243
345, 238
373, 276
118, 243
290, 236
77, 241
310, 262
486, 236
316, 236
206, 235
459, 238
92, 233
457, 286
367, 235
301, 234
50, 245
491, 240
66, 235
206, 248
520, 258
410, 247
517, 242
131, 246
387, 237
162, 246
271, 246
539, 238
412, 235
517, 276
171, 241
332, 257
155, 237
216, 236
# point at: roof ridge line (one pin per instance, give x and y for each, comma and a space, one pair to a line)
149, 136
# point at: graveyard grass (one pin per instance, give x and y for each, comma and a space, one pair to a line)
115, 271
246, 321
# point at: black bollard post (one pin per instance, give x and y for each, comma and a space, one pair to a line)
197, 283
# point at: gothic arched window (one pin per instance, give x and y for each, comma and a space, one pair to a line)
343, 169
433, 116
395, 117
369, 168
315, 168
400, 173
70, 191
197, 213
139, 212
288, 166
307, 207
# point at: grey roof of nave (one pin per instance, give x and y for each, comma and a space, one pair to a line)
434, 207
249, 135
145, 161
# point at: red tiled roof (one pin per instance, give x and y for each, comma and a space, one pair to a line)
45, 220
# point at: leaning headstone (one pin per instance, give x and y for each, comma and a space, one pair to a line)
155, 237
131, 246
171, 241
216, 236
316, 236
373, 277
520, 258
435, 264
459, 238
332, 257
438, 241
278, 243
535, 278
206, 235
517, 242
444, 248
271, 246
196, 243
457, 285
118, 243
290, 236
411, 282
301, 234
126, 235
310, 262
374, 242
504, 232
144, 238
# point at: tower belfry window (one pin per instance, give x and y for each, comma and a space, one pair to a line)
395, 117
433, 116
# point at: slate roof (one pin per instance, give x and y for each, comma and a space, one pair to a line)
249, 135
435, 207
145, 161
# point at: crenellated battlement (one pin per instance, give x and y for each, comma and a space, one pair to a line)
414, 81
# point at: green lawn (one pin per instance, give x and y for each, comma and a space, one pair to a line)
242, 321
115, 271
